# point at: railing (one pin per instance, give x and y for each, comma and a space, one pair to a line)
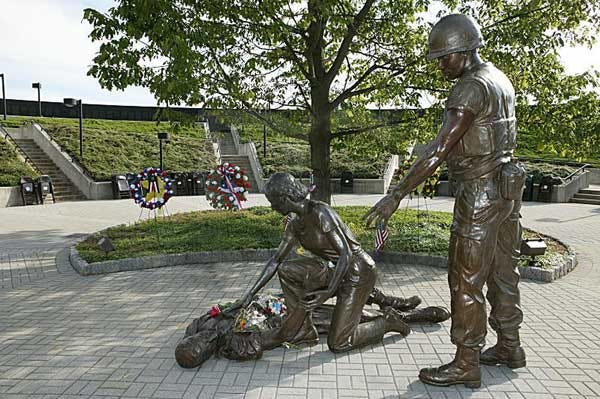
67, 155
575, 173
390, 169
22, 152
581, 167
236, 138
249, 149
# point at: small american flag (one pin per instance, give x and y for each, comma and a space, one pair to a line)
381, 235
287, 219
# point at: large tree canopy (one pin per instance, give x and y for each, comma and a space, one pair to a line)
333, 56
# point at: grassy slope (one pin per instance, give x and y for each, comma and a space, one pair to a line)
112, 147
11, 167
260, 227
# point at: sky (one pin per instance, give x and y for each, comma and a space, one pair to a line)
47, 41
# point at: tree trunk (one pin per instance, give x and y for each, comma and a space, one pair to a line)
320, 137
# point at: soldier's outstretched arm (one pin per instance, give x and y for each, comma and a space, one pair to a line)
456, 124
286, 245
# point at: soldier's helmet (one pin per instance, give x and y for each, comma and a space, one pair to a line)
454, 33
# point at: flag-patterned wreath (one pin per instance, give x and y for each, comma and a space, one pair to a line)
226, 187
152, 188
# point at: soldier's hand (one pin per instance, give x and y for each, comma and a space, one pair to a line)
381, 212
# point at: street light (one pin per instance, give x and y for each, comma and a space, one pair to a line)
162, 136
3, 95
38, 86
70, 103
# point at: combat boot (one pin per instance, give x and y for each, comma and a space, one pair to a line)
508, 351
394, 322
431, 314
464, 369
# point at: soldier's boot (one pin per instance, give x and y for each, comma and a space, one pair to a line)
394, 322
402, 304
464, 369
507, 351
431, 314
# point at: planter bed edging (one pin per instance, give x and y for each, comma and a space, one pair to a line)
255, 255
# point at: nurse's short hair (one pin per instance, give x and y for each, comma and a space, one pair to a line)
281, 184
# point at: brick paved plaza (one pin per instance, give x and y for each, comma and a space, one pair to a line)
113, 336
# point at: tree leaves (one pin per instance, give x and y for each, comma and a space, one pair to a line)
321, 56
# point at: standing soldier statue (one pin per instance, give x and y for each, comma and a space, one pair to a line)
477, 139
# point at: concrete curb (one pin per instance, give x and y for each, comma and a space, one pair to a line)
256, 255
549, 275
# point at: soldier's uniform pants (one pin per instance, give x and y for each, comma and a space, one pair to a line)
300, 276
484, 248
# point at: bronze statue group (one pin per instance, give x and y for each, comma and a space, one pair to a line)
477, 140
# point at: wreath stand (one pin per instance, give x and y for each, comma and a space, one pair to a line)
151, 190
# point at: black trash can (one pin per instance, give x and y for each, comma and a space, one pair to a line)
545, 189
347, 183
121, 187
198, 179
189, 183
528, 190
45, 188
28, 191
180, 184
131, 178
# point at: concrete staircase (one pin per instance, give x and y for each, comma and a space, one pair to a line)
64, 189
230, 154
226, 143
590, 195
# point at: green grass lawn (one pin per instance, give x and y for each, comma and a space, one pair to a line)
114, 147
260, 227
11, 167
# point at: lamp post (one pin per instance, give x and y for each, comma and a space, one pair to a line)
70, 103
3, 95
161, 136
38, 86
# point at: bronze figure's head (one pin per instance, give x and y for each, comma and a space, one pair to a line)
281, 188
451, 41
454, 33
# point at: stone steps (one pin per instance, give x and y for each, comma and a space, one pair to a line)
64, 189
587, 196
586, 201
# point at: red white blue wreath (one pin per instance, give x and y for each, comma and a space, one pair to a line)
152, 188
226, 187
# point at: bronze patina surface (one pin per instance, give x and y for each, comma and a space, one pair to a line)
477, 139
336, 266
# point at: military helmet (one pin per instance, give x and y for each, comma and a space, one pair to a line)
453, 34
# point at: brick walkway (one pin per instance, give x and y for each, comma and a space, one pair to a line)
113, 336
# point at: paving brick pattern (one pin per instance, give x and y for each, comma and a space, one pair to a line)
69, 336
113, 336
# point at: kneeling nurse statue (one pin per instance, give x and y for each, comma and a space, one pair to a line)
337, 267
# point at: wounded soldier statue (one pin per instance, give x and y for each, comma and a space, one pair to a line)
335, 267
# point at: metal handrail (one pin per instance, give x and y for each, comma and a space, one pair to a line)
235, 135
22, 152
390, 169
581, 169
